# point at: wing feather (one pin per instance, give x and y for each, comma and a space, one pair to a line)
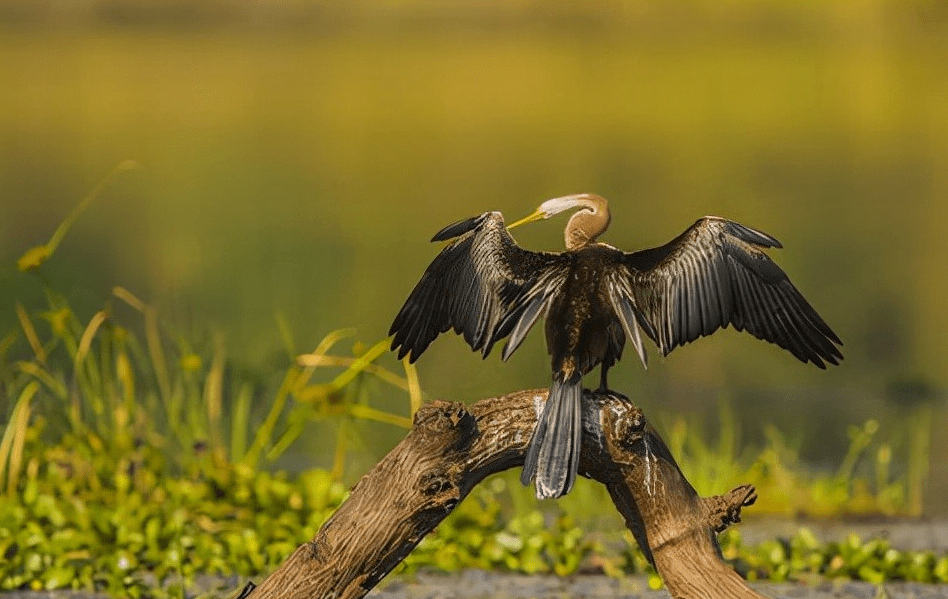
482, 285
716, 274
525, 321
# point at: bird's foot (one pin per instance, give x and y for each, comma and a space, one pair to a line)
603, 383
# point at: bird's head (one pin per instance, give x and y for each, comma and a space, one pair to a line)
587, 201
584, 226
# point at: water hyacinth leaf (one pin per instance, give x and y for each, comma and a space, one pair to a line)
58, 577
870, 574
34, 561
940, 571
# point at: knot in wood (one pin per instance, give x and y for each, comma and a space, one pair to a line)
442, 496
318, 547
440, 416
435, 482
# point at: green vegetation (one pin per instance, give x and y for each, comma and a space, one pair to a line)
862, 483
119, 470
134, 458
804, 557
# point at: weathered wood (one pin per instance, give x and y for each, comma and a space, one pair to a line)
673, 525
451, 448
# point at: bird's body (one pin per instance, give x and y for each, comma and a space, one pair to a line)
592, 334
596, 298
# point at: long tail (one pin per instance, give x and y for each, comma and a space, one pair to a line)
553, 453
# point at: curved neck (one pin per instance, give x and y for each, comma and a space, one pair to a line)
588, 223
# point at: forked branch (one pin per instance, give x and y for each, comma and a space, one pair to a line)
452, 447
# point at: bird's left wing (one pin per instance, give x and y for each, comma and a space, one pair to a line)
482, 285
715, 274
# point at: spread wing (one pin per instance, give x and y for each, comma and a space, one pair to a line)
715, 274
483, 285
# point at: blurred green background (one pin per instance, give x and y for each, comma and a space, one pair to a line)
297, 156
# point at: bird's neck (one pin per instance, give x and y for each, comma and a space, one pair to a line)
587, 224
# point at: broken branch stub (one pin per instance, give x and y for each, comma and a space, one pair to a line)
452, 447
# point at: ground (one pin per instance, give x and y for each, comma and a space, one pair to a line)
475, 584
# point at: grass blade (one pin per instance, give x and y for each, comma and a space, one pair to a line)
239, 425
152, 340
369, 413
264, 434
45, 377
27, 325
36, 256
85, 342
214, 393
160, 365
315, 360
14, 436
286, 334
414, 387
360, 364
331, 339
129, 298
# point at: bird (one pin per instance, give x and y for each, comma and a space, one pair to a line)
596, 298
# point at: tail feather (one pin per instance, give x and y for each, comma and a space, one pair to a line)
553, 453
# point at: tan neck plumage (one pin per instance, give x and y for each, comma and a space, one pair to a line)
588, 223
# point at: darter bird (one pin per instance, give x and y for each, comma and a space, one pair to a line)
595, 298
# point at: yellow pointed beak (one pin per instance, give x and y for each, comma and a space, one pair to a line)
537, 215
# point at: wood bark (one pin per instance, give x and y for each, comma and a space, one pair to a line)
452, 447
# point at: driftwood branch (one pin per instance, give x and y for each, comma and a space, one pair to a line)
452, 447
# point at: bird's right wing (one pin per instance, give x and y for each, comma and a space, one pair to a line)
482, 285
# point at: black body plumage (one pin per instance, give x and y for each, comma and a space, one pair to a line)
595, 299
